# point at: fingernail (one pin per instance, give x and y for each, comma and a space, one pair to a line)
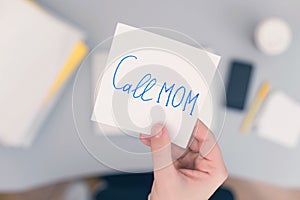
156, 130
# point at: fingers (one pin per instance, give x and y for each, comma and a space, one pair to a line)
161, 152
210, 157
187, 161
204, 142
195, 174
205, 165
200, 131
193, 161
199, 134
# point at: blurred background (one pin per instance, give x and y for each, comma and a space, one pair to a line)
43, 42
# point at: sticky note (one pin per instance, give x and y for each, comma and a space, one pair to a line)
150, 79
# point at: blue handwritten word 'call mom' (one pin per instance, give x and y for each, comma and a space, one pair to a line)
146, 83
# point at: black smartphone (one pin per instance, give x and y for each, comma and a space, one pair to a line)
238, 84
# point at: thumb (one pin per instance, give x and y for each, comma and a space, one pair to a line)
161, 151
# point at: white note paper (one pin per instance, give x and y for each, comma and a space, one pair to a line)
138, 53
278, 120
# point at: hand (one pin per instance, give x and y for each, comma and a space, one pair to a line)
195, 175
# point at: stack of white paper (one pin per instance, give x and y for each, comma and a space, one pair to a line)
278, 121
35, 50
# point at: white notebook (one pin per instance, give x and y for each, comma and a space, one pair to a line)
34, 48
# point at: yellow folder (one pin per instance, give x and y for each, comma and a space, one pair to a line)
75, 58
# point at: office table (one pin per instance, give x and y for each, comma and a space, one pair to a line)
225, 26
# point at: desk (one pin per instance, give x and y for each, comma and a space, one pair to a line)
227, 27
